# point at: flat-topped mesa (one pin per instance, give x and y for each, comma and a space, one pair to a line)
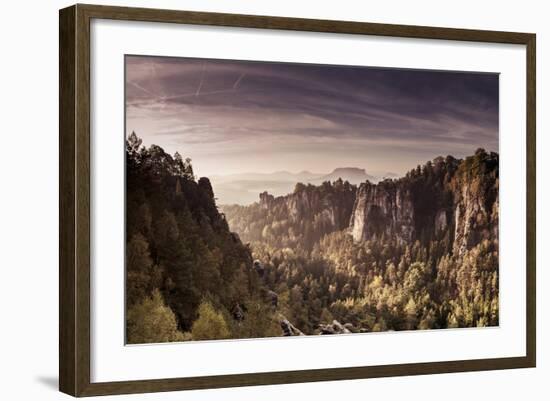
382, 209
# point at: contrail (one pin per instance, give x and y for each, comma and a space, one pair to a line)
163, 98
202, 80
143, 89
238, 81
195, 94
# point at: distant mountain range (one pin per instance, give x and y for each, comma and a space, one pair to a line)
244, 189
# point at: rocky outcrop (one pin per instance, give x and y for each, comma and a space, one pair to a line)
289, 329
331, 208
300, 218
440, 221
475, 211
259, 268
446, 197
380, 209
336, 328
266, 200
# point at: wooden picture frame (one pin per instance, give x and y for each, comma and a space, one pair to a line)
74, 204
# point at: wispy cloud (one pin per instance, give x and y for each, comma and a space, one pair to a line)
236, 110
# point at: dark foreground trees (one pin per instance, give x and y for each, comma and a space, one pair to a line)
186, 273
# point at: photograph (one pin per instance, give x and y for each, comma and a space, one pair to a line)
279, 199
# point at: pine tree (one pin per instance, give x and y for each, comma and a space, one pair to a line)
141, 275
210, 324
151, 321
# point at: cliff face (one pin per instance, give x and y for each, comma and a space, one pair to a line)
328, 205
475, 205
446, 198
416, 252
457, 198
382, 209
297, 219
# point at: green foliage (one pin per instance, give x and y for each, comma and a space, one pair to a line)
416, 278
210, 324
296, 221
187, 273
178, 242
326, 317
151, 321
380, 284
259, 320
142, 275
299, 187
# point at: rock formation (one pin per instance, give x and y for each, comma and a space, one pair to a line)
300, 218
447, 196
289, 329
450, 198
380, 209
335, 328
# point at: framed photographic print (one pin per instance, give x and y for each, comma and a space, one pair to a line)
280, 200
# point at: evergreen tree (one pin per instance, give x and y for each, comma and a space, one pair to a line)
151, 321
210, 324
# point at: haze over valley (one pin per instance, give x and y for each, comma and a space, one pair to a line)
244, 188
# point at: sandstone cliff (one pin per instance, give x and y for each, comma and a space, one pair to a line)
380, 209
297, 219
457, 198
445, 198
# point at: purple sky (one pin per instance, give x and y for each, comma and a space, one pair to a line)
236, 116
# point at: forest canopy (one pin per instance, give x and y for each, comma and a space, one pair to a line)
325, 259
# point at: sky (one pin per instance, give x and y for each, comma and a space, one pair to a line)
234, 117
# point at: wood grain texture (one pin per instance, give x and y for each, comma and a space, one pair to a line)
82, 193
300, 376
74, 199
531, 229
67, 298
74, 206
301, 24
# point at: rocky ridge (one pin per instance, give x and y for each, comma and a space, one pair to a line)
445, 197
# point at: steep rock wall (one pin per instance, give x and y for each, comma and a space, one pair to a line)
382, 209
456, 198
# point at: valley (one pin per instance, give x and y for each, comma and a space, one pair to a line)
411, 253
